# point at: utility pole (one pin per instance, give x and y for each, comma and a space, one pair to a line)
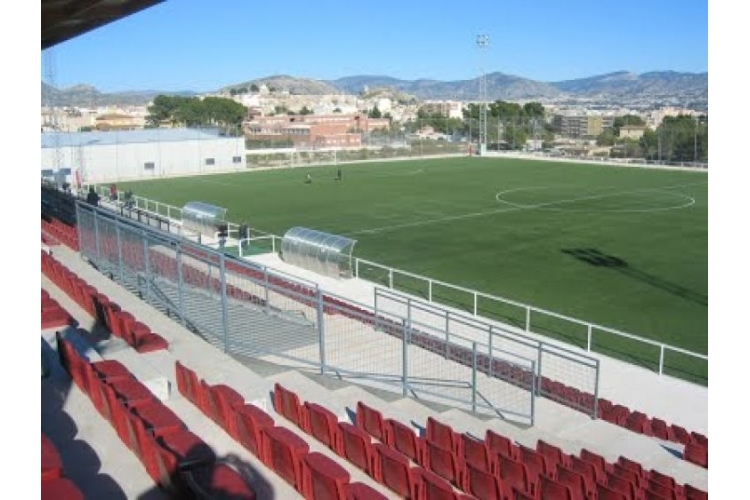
482, 42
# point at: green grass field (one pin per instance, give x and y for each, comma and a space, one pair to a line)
622, 247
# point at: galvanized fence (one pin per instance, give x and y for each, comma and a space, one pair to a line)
562, 374
253, 311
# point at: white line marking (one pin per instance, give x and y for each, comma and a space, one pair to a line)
512, 209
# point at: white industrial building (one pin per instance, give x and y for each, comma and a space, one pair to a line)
103, 157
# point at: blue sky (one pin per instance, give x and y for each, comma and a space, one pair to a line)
203, 45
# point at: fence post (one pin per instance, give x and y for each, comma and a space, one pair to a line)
265, 276
596, 391
590, 337
180, 287
474, 376
147, 265
532, 392
405, 360
224, 312
528, 318
475, 303
390, 278
429, 290
96, 236
661, 359
537, 386
119, 254
321, 331
489, 351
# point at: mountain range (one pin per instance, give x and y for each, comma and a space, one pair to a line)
621, 87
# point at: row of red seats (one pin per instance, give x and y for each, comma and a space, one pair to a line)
55, 486
696, 444
177, 460
61, 232
314, 475
497, 468
121, 323
53, 314
382, 459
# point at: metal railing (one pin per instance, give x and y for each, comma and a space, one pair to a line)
593, 337
252, 310
519, 314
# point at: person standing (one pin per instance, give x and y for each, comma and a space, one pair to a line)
92, 198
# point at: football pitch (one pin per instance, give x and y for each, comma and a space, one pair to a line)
622, 247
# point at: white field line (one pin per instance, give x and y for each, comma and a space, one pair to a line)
519, 208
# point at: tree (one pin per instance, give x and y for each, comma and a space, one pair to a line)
254, 88
374, 112
305, 111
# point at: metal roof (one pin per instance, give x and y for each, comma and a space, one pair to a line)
154, 135
66, 19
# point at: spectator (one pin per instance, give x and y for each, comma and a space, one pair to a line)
92, 198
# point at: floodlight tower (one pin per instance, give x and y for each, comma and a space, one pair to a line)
50, 100
483, 41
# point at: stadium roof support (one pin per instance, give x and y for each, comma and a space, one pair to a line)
323, 253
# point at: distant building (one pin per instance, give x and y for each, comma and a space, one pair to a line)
448, 109
99, 157
314, 131
632, 131
581, 126
115, 121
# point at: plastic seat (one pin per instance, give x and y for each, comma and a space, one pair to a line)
497, 443
60, 488
678, 434
475, 452
225, 399
189, 449
284, 451
158, 419
324, 427
600, 464
249, 423
483, 484
693, 493
587, 470
323, 478
607, 493
659, 428
552, 454
633, 466
52, 466
654, 476
371, 421
357, 448
361, 491
443, 435
287, 404
697, 454
660, 490
622, 485
218, 482
578, 485
403, 439
433, 487
550, 489
535, 463
394, 471
444, 463
515, 475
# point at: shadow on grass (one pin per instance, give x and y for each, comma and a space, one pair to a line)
596, 258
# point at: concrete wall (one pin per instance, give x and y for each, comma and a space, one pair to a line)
118, 162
